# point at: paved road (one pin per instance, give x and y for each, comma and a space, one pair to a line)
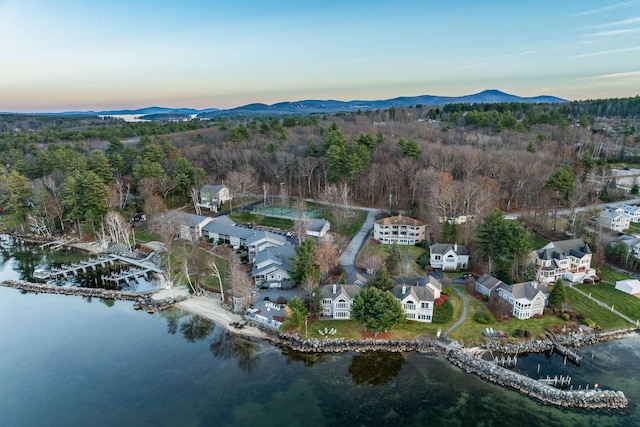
605, 306
463, 316
348, 257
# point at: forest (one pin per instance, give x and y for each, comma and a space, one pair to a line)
427, 162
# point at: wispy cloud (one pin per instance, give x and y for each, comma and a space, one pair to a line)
625, 75
627, 21
612, 33
606, 8
606, 52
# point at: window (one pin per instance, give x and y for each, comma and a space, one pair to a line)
326, 301
342, 305
424, 304
341, 314
411, 316
409, 306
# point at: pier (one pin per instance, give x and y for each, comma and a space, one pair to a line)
570, 354
74, 268
556, 381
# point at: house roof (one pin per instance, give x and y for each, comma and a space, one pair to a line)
400, 220
212, 189
442, 248
420, 293
184, 218
316, 225
280, 255
488, 281
630, 209
349, 290
261, 234
612, 215
576, 248
526, 290
226, 226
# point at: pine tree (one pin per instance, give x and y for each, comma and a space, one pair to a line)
558, 294
393, 259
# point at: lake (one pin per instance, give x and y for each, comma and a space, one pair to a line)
67, 361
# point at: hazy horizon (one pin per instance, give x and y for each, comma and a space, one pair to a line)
73, 56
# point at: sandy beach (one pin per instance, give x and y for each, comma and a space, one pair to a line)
210, 308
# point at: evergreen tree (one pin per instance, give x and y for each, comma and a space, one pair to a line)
295, 314
377, 310
303, 266
383, 280
558, 294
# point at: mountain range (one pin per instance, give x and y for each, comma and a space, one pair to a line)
323, 106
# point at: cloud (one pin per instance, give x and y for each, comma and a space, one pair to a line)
625, 75
614, 32
606, 8
606, 52
627, 21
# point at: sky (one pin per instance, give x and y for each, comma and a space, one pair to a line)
69, 55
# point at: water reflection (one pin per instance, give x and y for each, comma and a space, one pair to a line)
308, 359
375, 368
230, 346
196, 328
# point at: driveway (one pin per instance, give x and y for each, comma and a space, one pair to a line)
348, 257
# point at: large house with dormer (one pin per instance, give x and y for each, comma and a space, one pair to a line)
271, 266
337, 300
449, 256
615, 220
187, 226
212, 196
565, 258
525, 299
418, 301
399, 229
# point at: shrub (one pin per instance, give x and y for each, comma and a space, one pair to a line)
527, 334
482, 318
519, 333
445, 291
267, 299
565, 316
445, 297
281, 300
438, 302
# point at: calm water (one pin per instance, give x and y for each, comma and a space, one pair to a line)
68, 361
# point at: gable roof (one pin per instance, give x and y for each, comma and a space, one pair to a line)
399, 220
227, 227
524, 290
576, 248
419, 293
442, 248
488, 281
183, 218
349, 290
316, 224
212, 189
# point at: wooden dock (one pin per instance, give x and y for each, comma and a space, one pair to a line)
74, 268
556, 381
570, 354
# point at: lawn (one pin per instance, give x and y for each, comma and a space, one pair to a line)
266, 221
608, 294
537, 241
611, 276
409, 253
590, 309
347, 226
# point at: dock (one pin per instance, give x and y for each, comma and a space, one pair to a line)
132, 274
570, 354
556, 381
74, 268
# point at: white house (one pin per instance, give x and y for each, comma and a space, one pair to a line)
212, 196
629, 286
555, 259
318, 227
525, 299
614, 221
399, 229
449, 256
271, 266
418, 301
224, 230
337, 300
633, 212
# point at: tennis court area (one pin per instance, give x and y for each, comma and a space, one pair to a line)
285, 211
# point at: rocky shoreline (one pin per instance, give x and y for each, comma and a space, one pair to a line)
142, 301
584, 399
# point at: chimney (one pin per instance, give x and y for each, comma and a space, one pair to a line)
534, 284
404, 289
335, 291
455, 247
280, 256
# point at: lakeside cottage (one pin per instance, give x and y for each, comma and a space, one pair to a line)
570, 259
212, 196
418, 301
525, 299
337, 300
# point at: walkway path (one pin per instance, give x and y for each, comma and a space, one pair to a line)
634, 322
463, 316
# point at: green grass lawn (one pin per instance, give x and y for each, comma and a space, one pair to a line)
608, 294
409, 252
266, 221
590, 309
537, 241
347, 226
611, 276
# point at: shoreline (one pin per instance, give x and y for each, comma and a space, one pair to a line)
465, 359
